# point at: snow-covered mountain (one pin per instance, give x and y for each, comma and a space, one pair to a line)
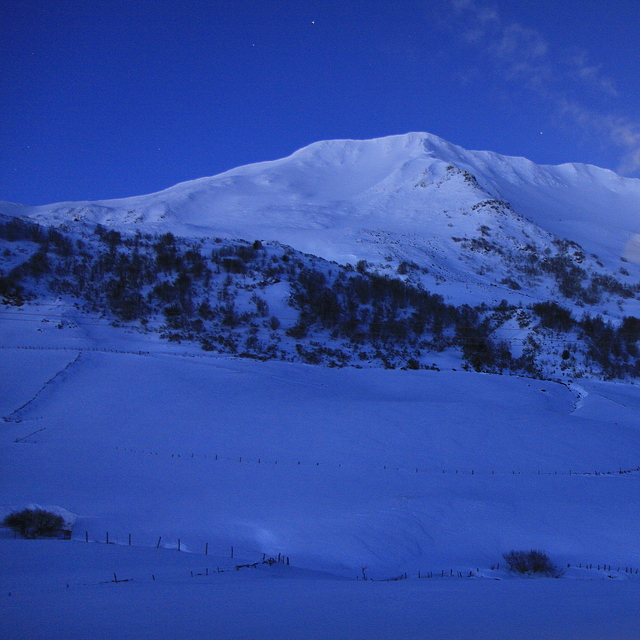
464, 215
472, 227
125, 407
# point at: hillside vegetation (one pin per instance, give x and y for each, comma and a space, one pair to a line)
268, 301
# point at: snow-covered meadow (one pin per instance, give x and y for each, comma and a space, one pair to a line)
342, 473
283, 602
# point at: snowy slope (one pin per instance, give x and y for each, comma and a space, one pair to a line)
346, 472
401, 471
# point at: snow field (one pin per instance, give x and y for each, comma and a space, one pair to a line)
337, 469
399, 470
70, 594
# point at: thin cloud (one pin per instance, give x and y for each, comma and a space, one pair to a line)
590, 74
627, 134
521, 54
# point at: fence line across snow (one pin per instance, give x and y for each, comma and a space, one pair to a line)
470, 472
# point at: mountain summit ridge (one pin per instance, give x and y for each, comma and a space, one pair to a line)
405, 198
352, 179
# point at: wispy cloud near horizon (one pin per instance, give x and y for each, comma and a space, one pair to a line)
569, 82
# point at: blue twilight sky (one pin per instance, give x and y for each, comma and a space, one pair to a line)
111, 98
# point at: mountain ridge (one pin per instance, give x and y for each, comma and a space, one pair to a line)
352, 187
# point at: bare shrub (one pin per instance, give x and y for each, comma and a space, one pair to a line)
34, 523
533, 562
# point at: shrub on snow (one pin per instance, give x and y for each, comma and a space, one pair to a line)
34, 523
533, 562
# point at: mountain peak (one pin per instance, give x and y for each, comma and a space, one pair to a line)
400, 196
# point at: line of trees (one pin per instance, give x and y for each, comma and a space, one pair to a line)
215, 292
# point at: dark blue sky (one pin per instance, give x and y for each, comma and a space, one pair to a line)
114, 98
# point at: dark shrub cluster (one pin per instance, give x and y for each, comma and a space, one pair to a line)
216, 293
529, 563
34, 523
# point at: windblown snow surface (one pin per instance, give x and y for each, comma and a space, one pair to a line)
244, 499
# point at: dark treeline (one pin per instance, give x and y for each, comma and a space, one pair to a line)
215, 292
